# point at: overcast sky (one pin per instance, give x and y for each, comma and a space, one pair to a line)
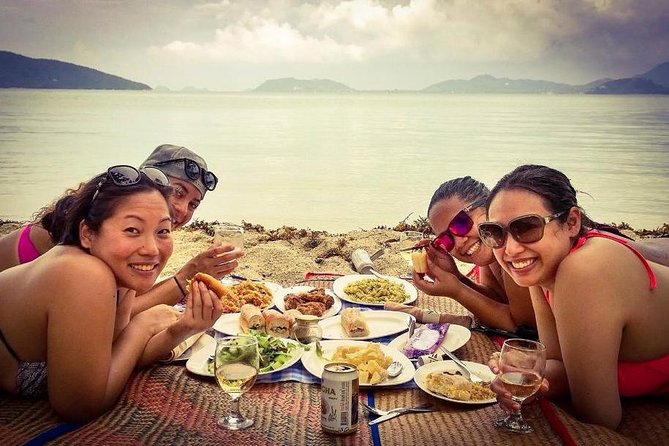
235, 45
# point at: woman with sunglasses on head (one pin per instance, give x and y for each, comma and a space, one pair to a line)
63, 311
601, 307
455, 209
190, 180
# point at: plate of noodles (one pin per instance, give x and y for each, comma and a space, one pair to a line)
373, 291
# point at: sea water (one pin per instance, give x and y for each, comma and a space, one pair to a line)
340, 162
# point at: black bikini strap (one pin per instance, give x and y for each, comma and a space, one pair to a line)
9, 349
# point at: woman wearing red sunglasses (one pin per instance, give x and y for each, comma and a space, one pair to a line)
455, 209
454, 212
601, 307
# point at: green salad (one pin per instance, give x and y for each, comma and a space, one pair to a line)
274, 352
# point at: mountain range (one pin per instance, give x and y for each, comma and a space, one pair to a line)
17, 71
654, 81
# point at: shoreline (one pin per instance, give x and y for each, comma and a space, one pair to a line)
284, 255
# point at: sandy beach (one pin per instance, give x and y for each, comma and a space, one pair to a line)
286, 254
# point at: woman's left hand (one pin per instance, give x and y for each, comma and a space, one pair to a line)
203, 308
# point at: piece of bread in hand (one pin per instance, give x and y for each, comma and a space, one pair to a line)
419, 261
212, 283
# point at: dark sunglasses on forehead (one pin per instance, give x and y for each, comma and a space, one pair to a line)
124, 175
194, 172
524, 229
461, 224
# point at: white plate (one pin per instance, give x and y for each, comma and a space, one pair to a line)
340, 284
441, 366
228, 323
456, 337
380, 322
315, 365
281, 306
197, 363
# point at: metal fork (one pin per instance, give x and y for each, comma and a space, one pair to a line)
425, 407
473, 377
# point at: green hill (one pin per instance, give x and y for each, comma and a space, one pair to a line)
292, 85
17, 71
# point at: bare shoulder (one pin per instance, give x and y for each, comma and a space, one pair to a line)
67, 270
600, 268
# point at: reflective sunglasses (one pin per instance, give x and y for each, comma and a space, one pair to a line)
194, 172
524, 229
460, 226
124, 175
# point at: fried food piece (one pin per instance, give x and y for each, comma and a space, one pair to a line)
229, 299
312, 308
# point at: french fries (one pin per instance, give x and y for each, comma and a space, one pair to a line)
371, 362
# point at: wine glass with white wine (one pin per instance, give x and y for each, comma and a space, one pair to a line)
522, 364
236, 364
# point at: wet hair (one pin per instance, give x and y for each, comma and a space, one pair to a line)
62, 219
554, 187
466, 188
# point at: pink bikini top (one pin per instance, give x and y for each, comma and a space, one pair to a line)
26, 249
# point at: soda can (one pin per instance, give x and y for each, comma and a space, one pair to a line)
339, 398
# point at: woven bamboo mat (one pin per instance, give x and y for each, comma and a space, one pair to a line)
165, 405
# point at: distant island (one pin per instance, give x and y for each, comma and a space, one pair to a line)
292, 85
655, 81
17, 71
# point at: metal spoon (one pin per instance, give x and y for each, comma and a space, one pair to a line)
394, 369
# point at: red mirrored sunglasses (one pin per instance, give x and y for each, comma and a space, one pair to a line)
460, 225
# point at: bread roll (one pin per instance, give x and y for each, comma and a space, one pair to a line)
250, 318
277, 324
354, 323
419, 260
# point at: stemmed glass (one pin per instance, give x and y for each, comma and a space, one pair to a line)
236, 364
522, 364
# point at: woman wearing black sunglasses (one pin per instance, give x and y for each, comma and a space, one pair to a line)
68, 311
601, 307
190, 181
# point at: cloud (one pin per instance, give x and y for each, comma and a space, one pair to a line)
420, 30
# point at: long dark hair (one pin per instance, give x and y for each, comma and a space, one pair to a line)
466, 188
63, 218
554, 187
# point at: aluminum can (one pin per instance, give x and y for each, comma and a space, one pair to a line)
339, 398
